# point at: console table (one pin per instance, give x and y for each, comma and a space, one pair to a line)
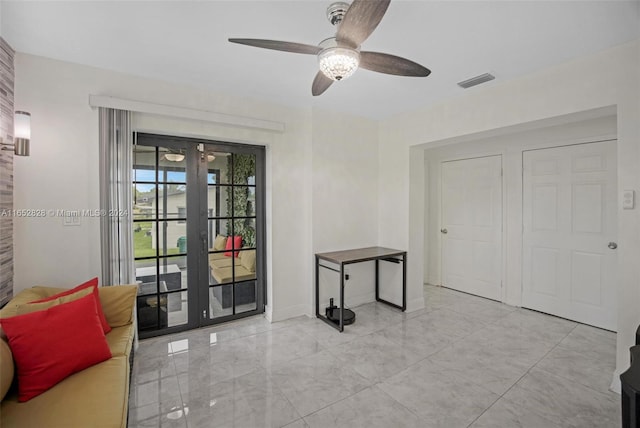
359, 255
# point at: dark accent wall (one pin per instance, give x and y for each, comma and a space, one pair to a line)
6, 172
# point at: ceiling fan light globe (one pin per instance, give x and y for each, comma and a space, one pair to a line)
174, 157
338, 63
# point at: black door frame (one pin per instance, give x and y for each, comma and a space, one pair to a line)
197, 249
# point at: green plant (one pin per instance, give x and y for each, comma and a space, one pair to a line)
238, 203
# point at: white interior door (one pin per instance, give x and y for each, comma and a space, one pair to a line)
569, 215
472, 226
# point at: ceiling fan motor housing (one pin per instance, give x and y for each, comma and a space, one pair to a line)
336, 11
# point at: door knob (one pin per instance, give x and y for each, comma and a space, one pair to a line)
445, 231
612, 245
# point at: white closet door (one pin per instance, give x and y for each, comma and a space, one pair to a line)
569, 215
472, 226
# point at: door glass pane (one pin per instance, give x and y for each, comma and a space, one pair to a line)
144, 164
246, 296
246, 228
171, 310
217, 227
244, 169
172, 237
220, 268
143, 238
220, 301
171, 201
172, 165
219, 168
244, 201
150, 315
244, 268
144, 195
217, 200
177, 307
146, 276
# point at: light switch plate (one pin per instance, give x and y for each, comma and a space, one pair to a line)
628, 199
71, 219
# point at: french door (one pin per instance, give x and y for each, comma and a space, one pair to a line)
198, 232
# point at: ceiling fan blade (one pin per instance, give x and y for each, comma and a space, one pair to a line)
391, 64
279, 46
320, 84
362, 17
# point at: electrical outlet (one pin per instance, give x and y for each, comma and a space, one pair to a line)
346, 277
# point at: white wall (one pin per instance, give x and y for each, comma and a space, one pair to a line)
321, 177
608, 78
345, 198
62, 173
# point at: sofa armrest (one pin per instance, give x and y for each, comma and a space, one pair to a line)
118, 303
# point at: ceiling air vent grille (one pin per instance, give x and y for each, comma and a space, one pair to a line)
476, 80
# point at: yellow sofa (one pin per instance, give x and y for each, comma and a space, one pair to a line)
94, 397
222, 268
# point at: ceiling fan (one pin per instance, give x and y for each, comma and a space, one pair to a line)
340, 56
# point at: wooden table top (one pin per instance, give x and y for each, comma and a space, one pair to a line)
359, 254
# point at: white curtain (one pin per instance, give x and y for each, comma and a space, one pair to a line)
116, 140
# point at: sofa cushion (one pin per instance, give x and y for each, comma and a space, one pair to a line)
93, 284
223, 275
45, 356
233, 242
248, 260
216, 256
94, 397
25, 296
222, 263
6, 369
118, 302
219, 243
27, 308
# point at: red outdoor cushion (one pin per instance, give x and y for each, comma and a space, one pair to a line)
50, 345
237, 244
91, 283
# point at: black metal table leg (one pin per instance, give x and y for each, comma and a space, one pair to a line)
377, 280
341, 297
317, 286
404, 282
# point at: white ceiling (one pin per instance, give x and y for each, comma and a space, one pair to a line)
186, 42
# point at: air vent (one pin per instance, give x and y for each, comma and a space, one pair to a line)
476, 80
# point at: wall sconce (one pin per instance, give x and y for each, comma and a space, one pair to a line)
22, 134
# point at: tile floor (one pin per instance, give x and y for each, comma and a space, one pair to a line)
463, 361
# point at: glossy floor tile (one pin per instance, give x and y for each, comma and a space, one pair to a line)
462, 361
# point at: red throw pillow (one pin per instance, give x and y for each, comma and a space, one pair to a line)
236, 241
50, 345
91, 283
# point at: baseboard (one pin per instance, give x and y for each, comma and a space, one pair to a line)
308, 310
357, 300
290, 312
615, 383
